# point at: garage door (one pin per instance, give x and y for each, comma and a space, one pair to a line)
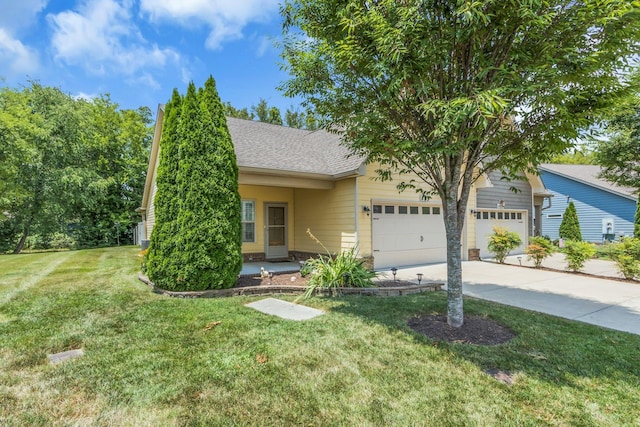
515, 220
407, 234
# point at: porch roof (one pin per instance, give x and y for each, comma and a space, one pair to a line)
267, 147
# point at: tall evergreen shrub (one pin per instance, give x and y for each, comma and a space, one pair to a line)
162, 264
570, 226
209, 218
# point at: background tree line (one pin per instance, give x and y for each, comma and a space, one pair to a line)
262, 112
72, 171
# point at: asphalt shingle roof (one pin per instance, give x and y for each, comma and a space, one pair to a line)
588, 174
267, 146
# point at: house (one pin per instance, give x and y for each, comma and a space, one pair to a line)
293, 180
605, 210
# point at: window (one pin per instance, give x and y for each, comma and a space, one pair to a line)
389, 209
402, 210
436, 210
413, 210
485, 215
377, 209
513, 215
248, 221
500, 215
519, 215
492, 215
426, 210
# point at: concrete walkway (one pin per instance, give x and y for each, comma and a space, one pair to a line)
609, 303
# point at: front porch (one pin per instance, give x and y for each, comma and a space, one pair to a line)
254, 268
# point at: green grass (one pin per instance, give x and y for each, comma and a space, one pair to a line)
149, 361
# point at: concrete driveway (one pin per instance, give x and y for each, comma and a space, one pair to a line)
603, 302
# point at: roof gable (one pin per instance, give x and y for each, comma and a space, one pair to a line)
273, 147
588, 175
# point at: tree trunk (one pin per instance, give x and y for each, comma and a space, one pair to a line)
23, 239
453, 227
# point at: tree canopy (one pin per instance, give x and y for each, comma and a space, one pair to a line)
619, 152
69, 167
446, 90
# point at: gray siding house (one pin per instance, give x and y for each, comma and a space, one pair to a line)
605, 210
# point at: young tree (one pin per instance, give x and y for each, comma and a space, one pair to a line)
570, 225
448, 90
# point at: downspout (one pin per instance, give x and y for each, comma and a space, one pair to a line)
356, 213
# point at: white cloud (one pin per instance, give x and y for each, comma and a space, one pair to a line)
87, 97
101, 37
15, 56
264, 44
18, 14
226, 19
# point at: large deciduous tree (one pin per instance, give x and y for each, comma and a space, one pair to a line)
449, 89
69, 166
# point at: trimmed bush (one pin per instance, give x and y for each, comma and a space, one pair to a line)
577, 253
626, 255
570, 226
539, 249
503, 241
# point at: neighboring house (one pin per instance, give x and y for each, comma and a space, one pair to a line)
294, 180
605, 210
513, 196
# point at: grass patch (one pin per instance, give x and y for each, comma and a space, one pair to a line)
151, 360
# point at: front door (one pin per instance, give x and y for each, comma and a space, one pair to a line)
276, 231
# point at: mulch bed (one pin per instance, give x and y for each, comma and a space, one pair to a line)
475, 330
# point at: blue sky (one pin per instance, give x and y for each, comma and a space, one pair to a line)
139, 50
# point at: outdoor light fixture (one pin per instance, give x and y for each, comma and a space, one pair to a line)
271, 273
394, 271
419, 277
345, 279
366, 210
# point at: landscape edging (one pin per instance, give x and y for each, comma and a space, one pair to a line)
293, 290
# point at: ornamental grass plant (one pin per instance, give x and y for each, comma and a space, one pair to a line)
333, 271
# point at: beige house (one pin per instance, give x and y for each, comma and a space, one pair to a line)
294, 180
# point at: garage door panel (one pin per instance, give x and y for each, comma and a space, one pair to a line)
487, 220
404, 239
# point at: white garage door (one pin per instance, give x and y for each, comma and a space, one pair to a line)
512, 220
407, 234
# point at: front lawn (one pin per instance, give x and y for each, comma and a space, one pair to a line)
154, 360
